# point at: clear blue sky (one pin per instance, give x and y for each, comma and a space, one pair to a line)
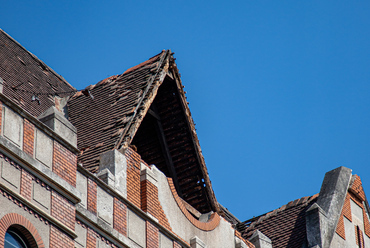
279, 90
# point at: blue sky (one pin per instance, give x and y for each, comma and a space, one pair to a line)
279, 90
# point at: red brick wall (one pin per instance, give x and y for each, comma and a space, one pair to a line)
64, 163
91, 195
150, 203
63, 210
26, 184
176, 245
1, 114
366, 223
133, 176
347, 208
90, 239
28, 137
120, 217
357, 189
149, 196
340, 227
152, 236
59, 240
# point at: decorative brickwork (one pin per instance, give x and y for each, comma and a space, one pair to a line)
366, 223
346, 211
28, 137
176, 245
213, 222
150, 203
359, 237
91, 195
152, 236
63, 210
340, 227
64, 163
120, 217
1, 114
60, 240
356, 199
26, 184
22, 225
149, 196
90, 239
357, 189
133, 176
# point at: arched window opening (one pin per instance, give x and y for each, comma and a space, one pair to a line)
15, 239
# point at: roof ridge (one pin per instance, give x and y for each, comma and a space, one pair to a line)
37, 59
131, 69
256, 220
163, 55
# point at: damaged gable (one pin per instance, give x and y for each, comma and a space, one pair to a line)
336, 217
145, 108
353, 226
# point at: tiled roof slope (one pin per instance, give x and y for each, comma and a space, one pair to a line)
286, 226
23, 73
118, 111
101, 121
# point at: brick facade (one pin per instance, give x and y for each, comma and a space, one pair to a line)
63, 210
176, 245
152, 236
120, 217
90, 239
29, 137
91, 195
150, 203
26, 184
133, 177
340, 228
60, 240
64, 163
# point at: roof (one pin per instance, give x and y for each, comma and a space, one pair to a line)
146, 107
24, 75
285, 226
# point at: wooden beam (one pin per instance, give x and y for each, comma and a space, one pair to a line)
166, 151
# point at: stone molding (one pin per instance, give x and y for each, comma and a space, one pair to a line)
91, 219
6, 101
37, 169
31, 208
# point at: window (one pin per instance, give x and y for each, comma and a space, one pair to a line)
14, 239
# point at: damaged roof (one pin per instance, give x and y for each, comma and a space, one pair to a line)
25, 76
285, 226
145, 107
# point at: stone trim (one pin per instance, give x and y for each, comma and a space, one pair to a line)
88, 217
8, 149
213, 222
27, 229
36, 211
9, 103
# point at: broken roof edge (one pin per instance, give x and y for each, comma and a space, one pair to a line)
250, 223
128, 134
36, 58
166, 63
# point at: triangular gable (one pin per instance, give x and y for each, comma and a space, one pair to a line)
354, 215
145, 104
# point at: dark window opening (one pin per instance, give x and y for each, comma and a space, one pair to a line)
15, 239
